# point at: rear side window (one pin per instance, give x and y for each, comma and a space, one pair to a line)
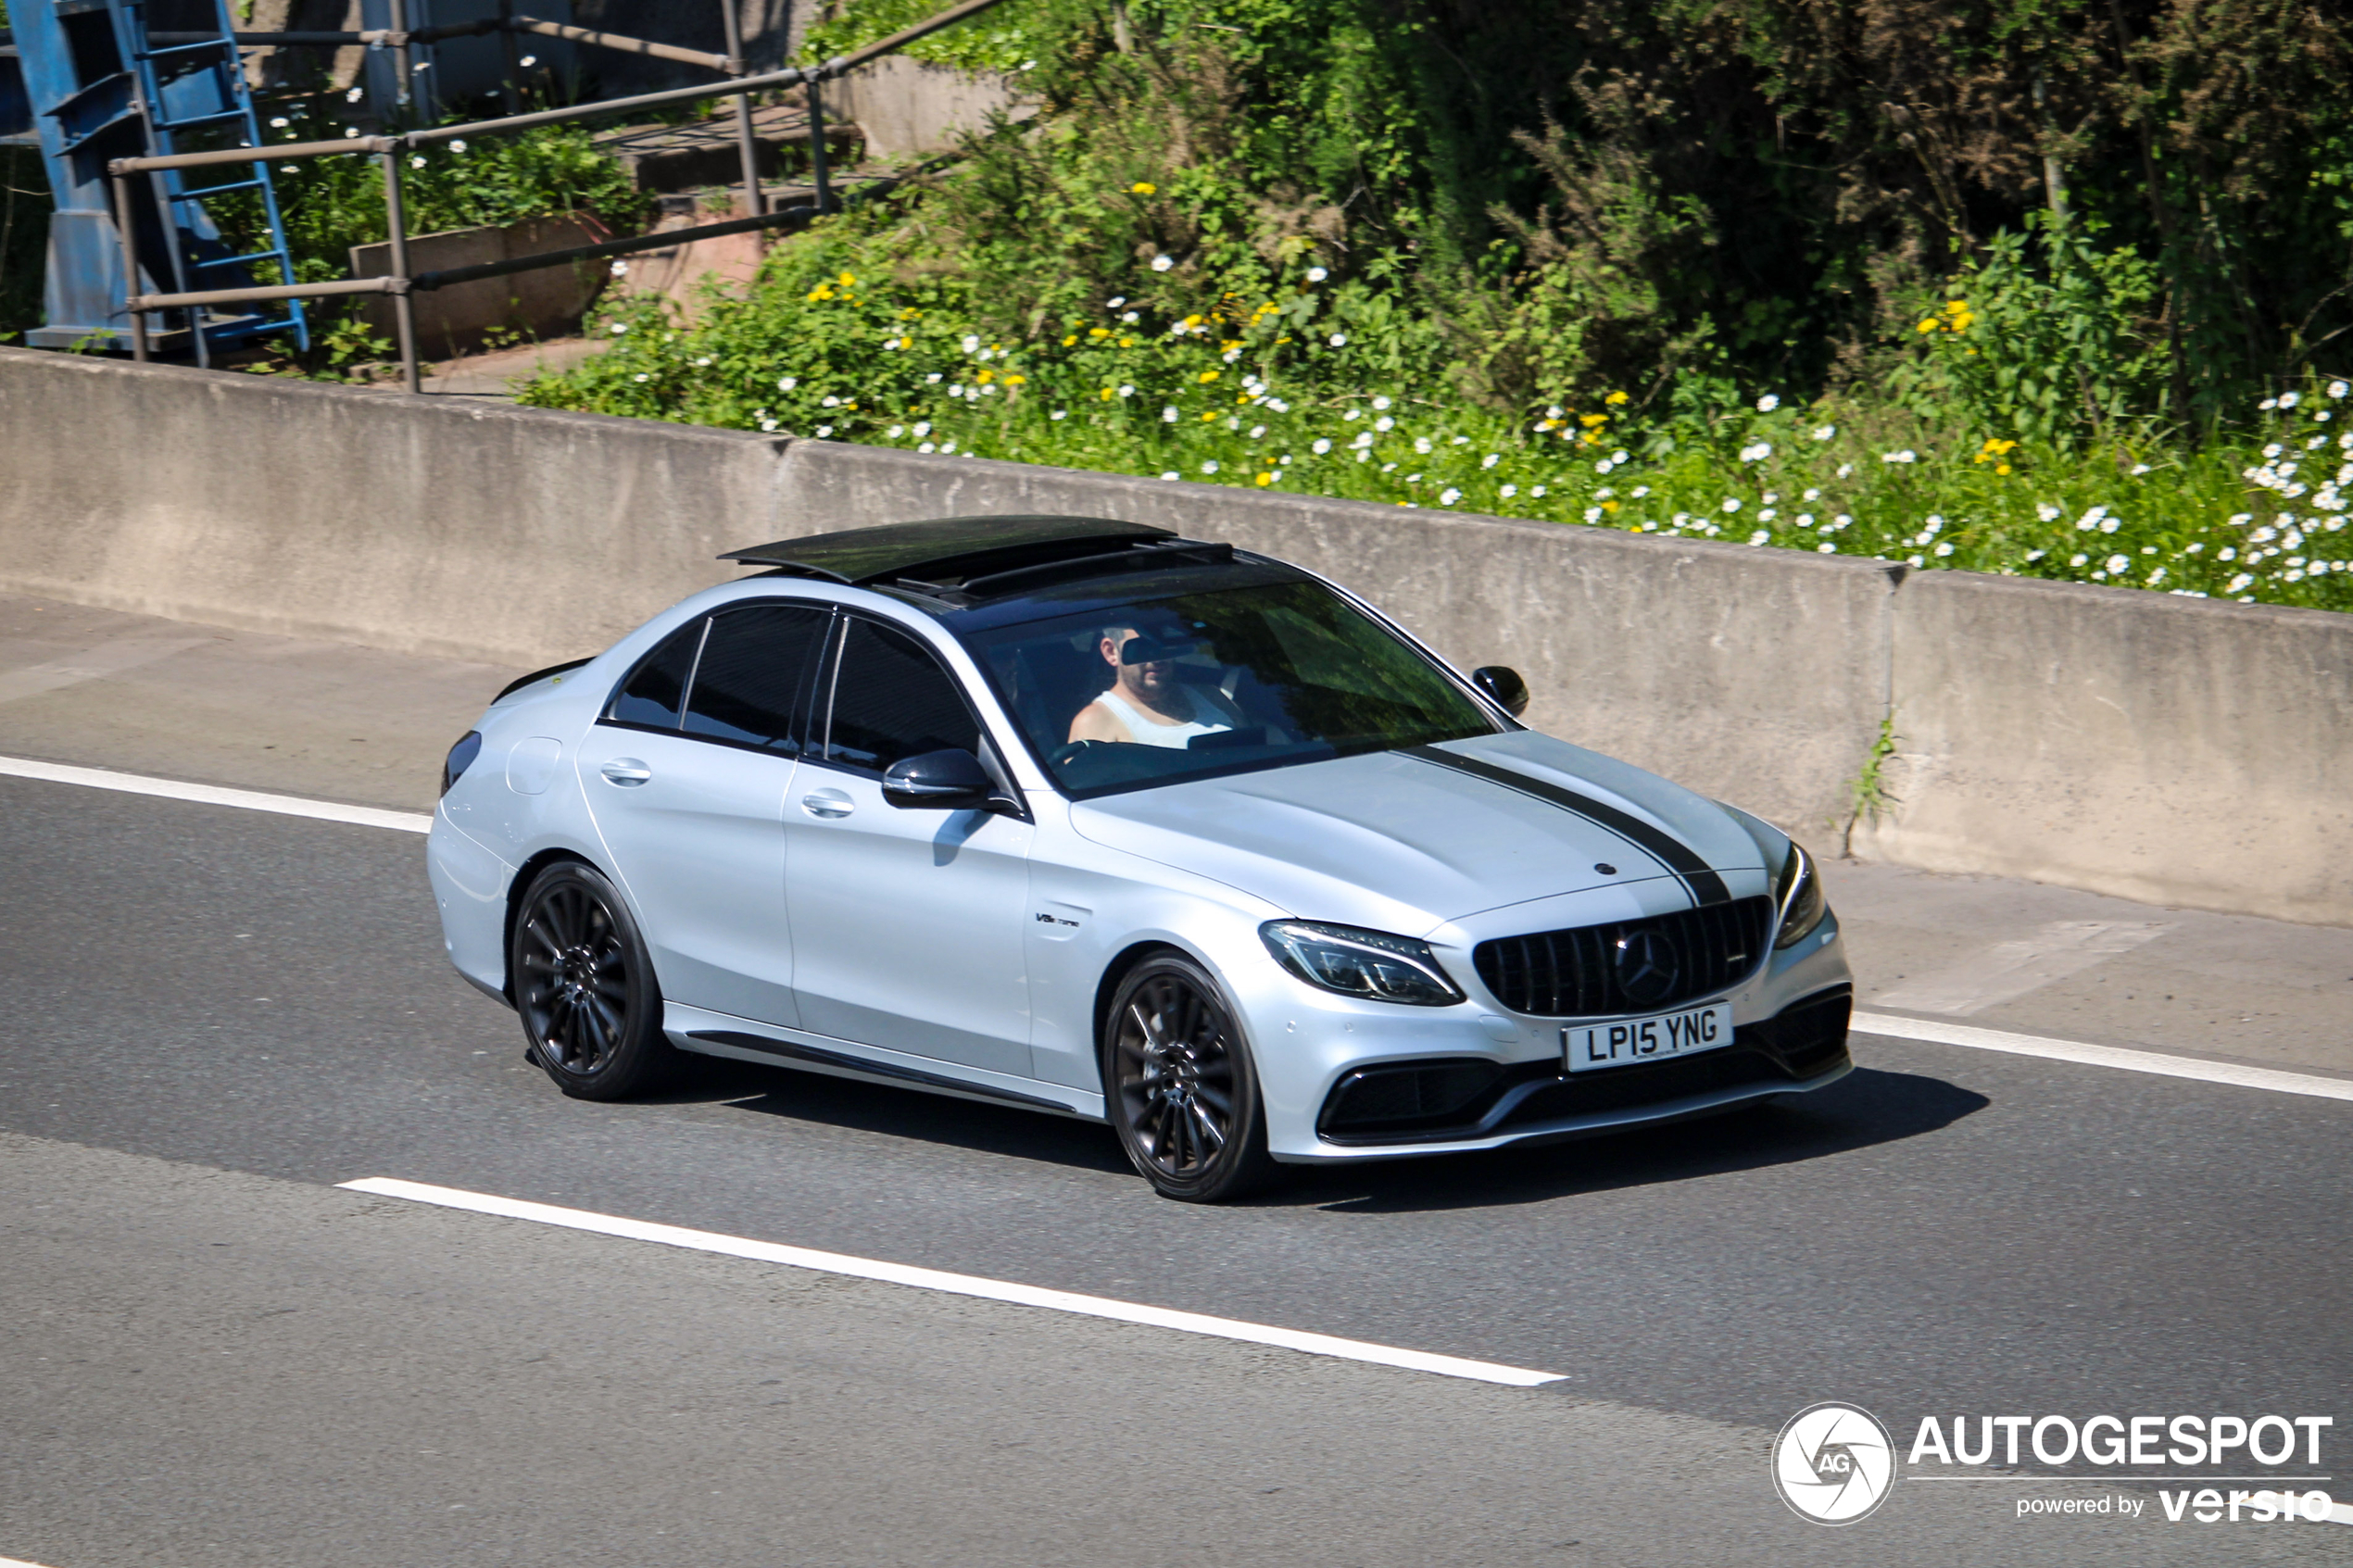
892, 701
748, 684
655, 689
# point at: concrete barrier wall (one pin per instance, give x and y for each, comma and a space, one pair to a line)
426, 525
910, 108
2168, 749
2173, 750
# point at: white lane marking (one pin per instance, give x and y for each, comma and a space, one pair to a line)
2104, 1056
91, 664
954, 1285
2009, 969
15, 1563
213, 794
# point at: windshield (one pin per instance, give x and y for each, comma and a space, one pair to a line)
1127, 696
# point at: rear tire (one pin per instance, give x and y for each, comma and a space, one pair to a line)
585, 986
1179, 1087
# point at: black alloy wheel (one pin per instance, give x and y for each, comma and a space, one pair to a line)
585, 988
1181, 1091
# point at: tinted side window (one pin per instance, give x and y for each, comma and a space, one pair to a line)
651, 695
892, 700
749, 678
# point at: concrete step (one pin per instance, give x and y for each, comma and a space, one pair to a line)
703, 153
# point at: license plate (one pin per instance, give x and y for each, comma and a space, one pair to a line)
1590, 1047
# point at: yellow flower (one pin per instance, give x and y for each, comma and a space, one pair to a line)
2003, 468
1206, 418
1242, 398
1144, 188
909, 314
1016, 380
1098, 332
1071, 339
1591, 420
1609, 505
1956, 308
1265, 479
847, 278
1929, 325
820, 291
985, 377
1614, 397
1127, 343
1193, 321
1109, 395
1593, 438
1208, 376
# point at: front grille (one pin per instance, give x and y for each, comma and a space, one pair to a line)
1580, 974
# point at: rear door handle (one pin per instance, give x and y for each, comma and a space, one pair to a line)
626, 771
830, 803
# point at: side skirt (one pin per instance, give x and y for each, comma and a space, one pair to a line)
716, 1033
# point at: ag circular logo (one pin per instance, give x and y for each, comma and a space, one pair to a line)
1648, 967
1833, 1464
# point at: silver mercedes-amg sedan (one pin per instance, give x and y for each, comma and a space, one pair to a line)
1085, 817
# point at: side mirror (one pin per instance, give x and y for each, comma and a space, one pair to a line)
1502, 682
953, 779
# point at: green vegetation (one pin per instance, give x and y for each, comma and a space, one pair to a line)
1007, 39
1870, 798
330, 205
2064, 298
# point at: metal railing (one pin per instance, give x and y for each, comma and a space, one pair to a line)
388, 150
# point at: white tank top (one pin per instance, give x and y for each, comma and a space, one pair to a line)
1150, 731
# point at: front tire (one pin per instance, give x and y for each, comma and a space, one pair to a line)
1179, 1087
585, 986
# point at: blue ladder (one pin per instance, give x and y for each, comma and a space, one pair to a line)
194, 87
100, 90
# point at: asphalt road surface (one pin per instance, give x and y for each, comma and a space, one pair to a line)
212, 1357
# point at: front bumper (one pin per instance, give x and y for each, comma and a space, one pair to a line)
1432, 1107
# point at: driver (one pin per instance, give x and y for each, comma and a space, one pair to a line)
1147, 705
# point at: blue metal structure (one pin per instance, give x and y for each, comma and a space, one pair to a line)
100, 88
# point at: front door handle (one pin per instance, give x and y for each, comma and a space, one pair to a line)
827, 803
626, 771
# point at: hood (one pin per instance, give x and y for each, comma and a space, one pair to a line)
1408, 840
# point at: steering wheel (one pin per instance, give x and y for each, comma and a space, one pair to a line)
1068, 752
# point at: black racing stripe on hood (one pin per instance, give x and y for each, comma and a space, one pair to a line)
1707, 887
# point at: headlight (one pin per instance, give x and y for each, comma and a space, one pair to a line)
1371, 964
1799, 899
461, 757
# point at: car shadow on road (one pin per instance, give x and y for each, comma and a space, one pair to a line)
902, 1113
1872, 1106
